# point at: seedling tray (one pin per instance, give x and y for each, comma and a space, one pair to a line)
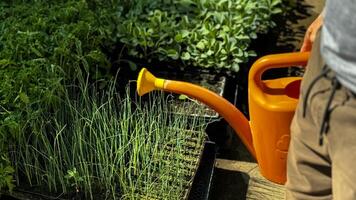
193, 167
201, 186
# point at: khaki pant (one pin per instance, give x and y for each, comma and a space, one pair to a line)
326, 171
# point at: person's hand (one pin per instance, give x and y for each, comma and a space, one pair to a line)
311, 33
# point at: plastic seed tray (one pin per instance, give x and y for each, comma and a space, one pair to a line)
193, 152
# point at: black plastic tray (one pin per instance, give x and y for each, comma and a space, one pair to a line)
202, 182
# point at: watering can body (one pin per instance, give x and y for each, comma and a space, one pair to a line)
272, 104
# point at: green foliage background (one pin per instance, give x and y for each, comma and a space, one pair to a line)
43, 43
203, 33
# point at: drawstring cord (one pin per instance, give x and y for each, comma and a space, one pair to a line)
325, 119
323, 73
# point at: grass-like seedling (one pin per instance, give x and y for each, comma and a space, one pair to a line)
103, 145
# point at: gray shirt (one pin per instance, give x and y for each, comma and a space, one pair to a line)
338, 40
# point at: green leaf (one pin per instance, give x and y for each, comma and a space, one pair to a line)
275, 3
200, 45
226, 28
203, 55
9, 170
4, 63
210, 52
252, 53
182, 97
235, 67
24, 98
9, 183
204, 30
237, 60
240, 53
185, 33
243, 38
172, 53
178, 38
253, 35
133, 52
185, 56
276, 10
35, 51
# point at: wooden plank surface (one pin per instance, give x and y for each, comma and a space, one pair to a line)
258, 188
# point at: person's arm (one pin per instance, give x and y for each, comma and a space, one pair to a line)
311, 33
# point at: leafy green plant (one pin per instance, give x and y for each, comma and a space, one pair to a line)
43, 44
74, 178
206, 33
6, 177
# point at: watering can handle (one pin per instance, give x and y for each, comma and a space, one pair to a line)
275, 61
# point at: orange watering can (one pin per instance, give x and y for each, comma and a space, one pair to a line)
271, 104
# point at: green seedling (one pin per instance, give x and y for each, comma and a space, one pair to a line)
208, 34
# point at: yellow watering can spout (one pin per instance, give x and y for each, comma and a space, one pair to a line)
147, 82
